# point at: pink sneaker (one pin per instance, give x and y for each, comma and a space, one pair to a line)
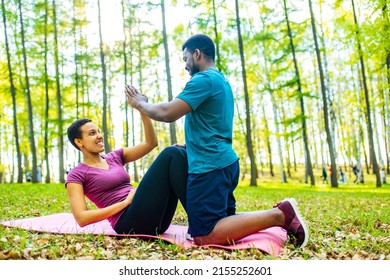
294, 223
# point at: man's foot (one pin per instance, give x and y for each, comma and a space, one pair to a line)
294, 223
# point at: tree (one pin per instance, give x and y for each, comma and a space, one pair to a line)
217, 39
47, 99
61, 169
172, 128
333, 177
308, 165
367, 101
268, 142
386, 31
75, 57
13, 94
125, 73
249, 144
104, 82
31, 135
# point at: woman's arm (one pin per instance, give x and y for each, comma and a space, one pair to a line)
138, 151
85, 216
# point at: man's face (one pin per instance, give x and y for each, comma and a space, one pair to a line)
191, 66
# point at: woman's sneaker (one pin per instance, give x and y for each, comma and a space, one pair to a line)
294, 223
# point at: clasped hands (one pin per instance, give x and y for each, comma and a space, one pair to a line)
134, 97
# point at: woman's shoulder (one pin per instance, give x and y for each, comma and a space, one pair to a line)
77, 174
116, 156
113, 154
79, 170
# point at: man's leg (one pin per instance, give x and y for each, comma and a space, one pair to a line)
285, 214
235, 227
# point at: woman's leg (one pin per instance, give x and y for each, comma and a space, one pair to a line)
156, 199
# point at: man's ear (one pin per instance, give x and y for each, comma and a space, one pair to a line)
197, 54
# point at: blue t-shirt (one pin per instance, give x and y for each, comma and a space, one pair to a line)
209, 126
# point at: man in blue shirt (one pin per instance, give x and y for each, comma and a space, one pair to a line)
208, 104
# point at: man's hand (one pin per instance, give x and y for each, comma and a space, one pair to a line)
134, 97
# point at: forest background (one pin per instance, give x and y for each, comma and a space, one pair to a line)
311, 81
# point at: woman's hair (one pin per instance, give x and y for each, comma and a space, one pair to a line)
74, 130
202, 42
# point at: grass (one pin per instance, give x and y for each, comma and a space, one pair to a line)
349, 222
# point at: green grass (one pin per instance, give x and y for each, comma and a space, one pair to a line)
349, 222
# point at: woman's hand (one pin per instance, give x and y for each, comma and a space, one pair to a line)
85, 216
134, 97
130, 196
180, 145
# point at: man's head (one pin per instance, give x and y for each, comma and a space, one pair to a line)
75, 132
198, 51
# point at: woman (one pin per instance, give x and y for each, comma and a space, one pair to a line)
150, 207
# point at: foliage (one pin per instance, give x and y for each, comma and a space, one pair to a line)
136, 45
351, 222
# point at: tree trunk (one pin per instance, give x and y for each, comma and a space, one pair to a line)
387, 94
368, 110
107, 147
31, 135
366, 160
13, 94
135, 163
253, 181
357, 132
47, 100
218, 62
124, 43
61, 171
276, 117
386, 125
388, 109
315, 164
308, 165
172, 125
329, 92
279, 142
268, 142
76, 64
333, 177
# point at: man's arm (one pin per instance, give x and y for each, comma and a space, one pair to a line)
163, 112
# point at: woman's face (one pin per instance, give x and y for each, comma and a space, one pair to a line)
91, 139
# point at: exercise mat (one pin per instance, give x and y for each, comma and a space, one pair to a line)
268, 241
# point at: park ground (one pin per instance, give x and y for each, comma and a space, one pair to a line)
346, 223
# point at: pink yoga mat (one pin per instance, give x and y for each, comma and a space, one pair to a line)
268, 241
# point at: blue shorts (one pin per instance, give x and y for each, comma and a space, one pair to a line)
210, 198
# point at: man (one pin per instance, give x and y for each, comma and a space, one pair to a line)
208, 104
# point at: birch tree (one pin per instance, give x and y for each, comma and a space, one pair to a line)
333, 177
370, 131
308, 165
31, 134
253, 181
13, 95
172, 125
61, 168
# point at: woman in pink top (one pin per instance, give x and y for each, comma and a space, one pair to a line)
147, 209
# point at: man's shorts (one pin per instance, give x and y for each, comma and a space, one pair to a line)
210, 198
